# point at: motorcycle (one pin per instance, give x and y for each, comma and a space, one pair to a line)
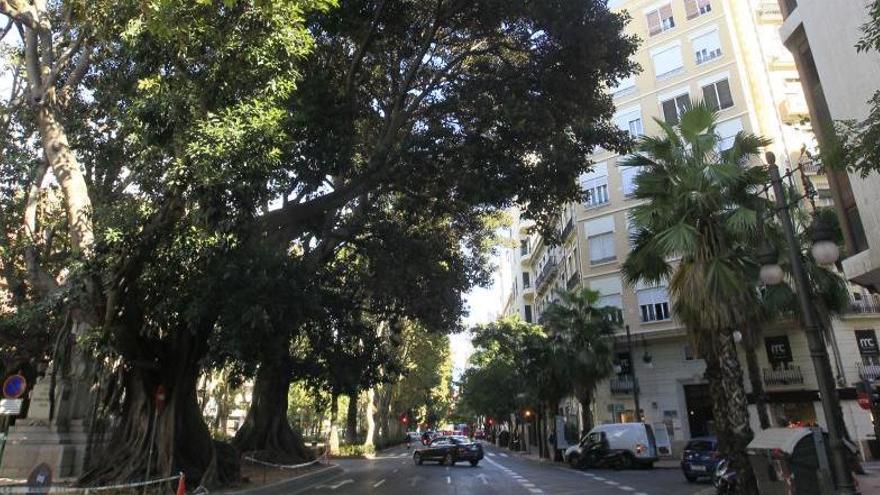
724, 478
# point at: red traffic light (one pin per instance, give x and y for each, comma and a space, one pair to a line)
405, 420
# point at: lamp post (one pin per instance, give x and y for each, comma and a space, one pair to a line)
825, 253
632, 371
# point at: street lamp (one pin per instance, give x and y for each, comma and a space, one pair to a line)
770, 274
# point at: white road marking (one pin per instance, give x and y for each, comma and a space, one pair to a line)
528, 485
626, 488
395, 470
378, 483
641, 493
597, 478
536, 490
492, 454
503, 454
483, 478
612, 483
448, 480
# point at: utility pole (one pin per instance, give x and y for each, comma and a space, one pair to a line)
815, 341
632, 371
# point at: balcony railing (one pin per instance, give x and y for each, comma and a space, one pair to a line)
863, 306
548, 270
790, 376
573, 281
621, 384
870, 372
812, 167
568, 229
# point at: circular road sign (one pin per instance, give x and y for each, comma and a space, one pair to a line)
14, 387
40, 479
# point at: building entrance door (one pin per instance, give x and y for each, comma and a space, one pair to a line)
699, 409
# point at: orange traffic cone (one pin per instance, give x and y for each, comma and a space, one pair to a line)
181, 484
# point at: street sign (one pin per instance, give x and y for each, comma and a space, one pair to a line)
10, 407
14, 387
40, 479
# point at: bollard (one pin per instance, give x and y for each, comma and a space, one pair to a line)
181, 484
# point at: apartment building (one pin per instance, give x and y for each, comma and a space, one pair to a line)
729, 54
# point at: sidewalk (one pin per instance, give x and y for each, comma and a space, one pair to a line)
870, 483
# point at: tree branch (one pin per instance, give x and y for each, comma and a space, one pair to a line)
42, 282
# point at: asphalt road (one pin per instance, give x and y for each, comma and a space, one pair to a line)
500, 472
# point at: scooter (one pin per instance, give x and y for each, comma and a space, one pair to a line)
724, 478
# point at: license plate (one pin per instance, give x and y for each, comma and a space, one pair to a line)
698, 468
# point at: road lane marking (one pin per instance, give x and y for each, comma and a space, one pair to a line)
491, 454
395, 470
378, 483
626, 488
612, 483
483, 478
598, 478
448, 480
536, 490
503, 454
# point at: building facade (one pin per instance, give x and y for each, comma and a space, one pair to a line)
729, 54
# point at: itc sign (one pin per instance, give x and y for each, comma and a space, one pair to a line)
867, 342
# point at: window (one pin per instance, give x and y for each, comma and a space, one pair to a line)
527, 280
528, 311
524, 247
630, 120
667, 60
707, 47
689, 353
660, 20
627, 178
612, 301
624, 86
595, 186
674, 107
602, 248
653, 304
696, 8
727, 132
717, 95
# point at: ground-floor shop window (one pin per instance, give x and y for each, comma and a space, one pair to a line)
793, 414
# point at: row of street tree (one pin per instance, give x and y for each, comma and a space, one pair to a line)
275, 189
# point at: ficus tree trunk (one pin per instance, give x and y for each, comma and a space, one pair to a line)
266, 428
333, 441
182, 441
370, 415
737, 412
351, 419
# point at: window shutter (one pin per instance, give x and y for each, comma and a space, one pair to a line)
724, 97
667, 61
665, 12
691, 8
652, 296
670, 114
654, 23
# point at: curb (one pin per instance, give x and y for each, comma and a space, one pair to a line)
328, 469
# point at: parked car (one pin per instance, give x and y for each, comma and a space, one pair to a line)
635, 440
449, 450
479, 435
700, 458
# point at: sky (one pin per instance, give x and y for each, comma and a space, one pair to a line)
484, 305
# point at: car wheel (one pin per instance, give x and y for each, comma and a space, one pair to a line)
574, 461
626, 461
691, 478
448, 460
474, 463
417, 459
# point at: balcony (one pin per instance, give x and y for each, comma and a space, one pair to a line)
769, 12
568, 229
811, 167
621, 384
869, 372
573, 281
546, 273
776, 378
862, 307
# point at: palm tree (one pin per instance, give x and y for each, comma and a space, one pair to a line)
582, 334
695, 228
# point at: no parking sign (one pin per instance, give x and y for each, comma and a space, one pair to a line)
14, 387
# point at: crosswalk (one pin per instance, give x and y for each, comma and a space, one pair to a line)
500, 454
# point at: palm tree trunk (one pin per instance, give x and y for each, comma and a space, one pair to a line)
756, 382
586, 413
737, 413
351, 419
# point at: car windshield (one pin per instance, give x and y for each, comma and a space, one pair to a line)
461, 439
700, 446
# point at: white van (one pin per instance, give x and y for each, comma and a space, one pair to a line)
635, 439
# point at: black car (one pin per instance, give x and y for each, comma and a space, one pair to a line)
449, 450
